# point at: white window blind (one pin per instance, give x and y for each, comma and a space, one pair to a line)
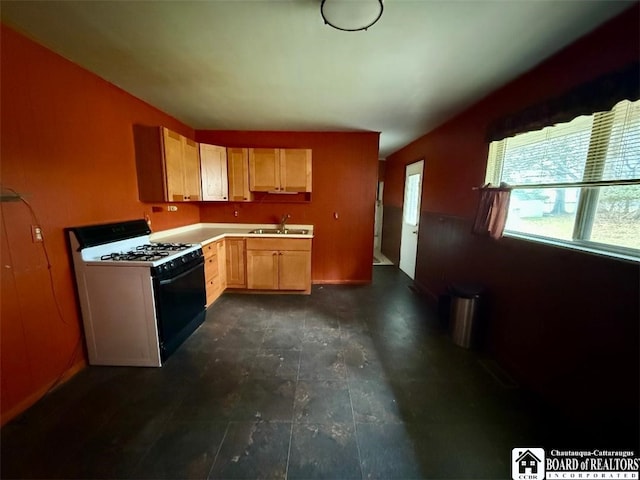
575, 181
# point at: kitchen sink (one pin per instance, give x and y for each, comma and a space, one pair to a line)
286, 231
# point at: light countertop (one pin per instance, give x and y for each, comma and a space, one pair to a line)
204, 233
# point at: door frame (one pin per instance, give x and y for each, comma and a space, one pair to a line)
418, 164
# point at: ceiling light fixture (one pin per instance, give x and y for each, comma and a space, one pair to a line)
351, 15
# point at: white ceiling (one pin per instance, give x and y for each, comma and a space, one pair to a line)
274, 65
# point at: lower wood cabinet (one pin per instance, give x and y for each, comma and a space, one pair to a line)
279, 264
275, 264
235, 262
215, 270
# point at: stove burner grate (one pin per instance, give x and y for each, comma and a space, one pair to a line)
160, 247
139, 255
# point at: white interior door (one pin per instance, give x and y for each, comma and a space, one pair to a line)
377, 230
411, 218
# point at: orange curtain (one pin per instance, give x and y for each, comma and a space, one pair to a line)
491, 215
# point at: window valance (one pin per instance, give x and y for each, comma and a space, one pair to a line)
597, 95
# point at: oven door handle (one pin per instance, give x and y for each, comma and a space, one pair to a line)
183, 274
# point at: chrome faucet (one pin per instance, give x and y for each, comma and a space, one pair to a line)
283, 222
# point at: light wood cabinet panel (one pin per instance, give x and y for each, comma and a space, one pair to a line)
294, 270
236, 269
213, 167
222, 264
238, 171
211, 273
262, 270
271, 243
264, 169
168, 165
279, 170
173, 162
211, 266
215, 270
279, 264
191, 169
295, 169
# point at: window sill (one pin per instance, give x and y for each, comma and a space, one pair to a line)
628, 257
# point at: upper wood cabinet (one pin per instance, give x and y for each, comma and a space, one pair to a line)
264, 169
279, 170
191, 172
238, 172
213, 165
295, 169
168, 165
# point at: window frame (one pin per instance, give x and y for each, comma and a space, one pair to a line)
586, 208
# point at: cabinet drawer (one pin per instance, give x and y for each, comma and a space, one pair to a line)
213, 290
213, 285
279, 244
211, 267
210, 249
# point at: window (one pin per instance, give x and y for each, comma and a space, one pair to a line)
412, 196
577, 183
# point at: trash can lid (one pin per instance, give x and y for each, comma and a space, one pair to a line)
466, 290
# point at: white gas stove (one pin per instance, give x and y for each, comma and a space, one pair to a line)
139, 299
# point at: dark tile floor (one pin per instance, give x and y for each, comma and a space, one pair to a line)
349, 382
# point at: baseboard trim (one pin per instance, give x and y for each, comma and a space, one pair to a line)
23, 405
421, 289
341, 282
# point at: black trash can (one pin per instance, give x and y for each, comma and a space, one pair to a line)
463, 322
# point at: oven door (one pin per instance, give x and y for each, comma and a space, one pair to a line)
180, 305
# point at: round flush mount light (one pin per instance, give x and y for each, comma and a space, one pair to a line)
351, 15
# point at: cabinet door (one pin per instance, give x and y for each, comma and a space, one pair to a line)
213, 166
264, 169
294, 270
295, 169
191, 170
262, 269
172, 143
238, 162
236, 276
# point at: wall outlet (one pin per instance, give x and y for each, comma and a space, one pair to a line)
172, 208
36, 233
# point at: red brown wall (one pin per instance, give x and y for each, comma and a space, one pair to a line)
564, 323
67, 147
345, 170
